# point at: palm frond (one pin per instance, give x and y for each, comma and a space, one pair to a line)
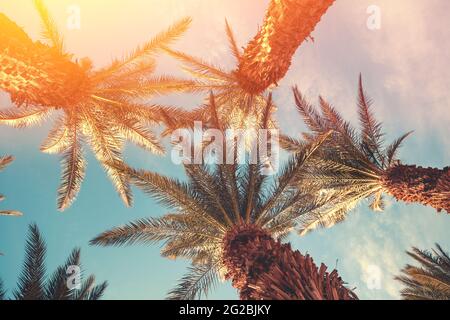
232, 43
5, 161
21, 118
73, 171
11, 213
131, 61
199, 66
391, 150
2, 291
430, 280
98, 291
56, 287
196, 283
31, 284
50, 31
372, 136
106, 144
291, 171
146, 231
59, 138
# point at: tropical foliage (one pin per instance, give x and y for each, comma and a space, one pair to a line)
353, 166
33, 284
241, 92
4, 162
103, 108
431, 279
213, 212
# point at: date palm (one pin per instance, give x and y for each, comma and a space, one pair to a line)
229, 220
103, 107
429, 281
241, 93
351, 167
33, 283
4, 162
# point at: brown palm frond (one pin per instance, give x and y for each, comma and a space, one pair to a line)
430, 281
11, 213
371, 134
50, 31
392, 149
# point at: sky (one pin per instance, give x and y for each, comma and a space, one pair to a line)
405, 65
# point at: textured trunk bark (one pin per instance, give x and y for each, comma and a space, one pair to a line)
35, 74
262, 268
268, 56
428, 186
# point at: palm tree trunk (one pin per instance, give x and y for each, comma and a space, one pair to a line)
428, 186
262, 268
268, 56
35, 74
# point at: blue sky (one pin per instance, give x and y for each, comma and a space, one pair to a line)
405, 65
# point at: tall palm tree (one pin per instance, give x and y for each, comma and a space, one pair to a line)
4, 162
102, 107
241, 92
229, 220
351, 167
33, 283
430, 281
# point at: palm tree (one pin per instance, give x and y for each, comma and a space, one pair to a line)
267, 57
241, 93
33, 284
102, 107
431, 281
4, 162
350, 167
229, 220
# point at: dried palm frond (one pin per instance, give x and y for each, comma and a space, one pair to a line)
100, 107
430, 280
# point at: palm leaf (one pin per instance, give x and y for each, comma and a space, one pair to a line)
73, 171
21, 118
132, 61
197, 282
59, 138
372, 136
32, 279
232, 42
50, 31
391, 150
57, 288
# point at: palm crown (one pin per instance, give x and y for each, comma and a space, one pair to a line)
241, 92
102, 107
352, 166
430, 280
217, 205
33, 284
